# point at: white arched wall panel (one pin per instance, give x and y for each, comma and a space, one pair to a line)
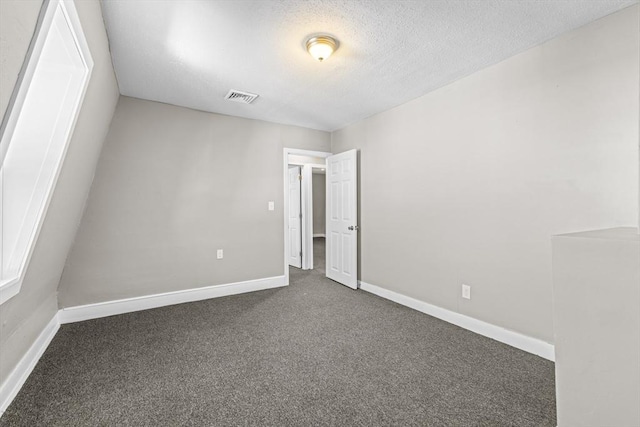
36, 132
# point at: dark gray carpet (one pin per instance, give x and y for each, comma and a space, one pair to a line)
319, 254
314, 353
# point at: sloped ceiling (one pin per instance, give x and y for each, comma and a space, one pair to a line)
191, 53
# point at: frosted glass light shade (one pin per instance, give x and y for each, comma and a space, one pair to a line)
321, 47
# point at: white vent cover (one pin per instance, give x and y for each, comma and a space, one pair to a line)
238, 96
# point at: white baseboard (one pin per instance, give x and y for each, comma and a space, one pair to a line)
16, 379
514, 339
319, 235
128, 305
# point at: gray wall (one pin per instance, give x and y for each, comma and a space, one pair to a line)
596, 301
17, 24
172, 186
468, 183
23, 317
319, 207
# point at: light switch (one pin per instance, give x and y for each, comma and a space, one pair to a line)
466, 291
220, 254
272, 206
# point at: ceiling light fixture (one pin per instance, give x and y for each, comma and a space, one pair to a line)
321, 47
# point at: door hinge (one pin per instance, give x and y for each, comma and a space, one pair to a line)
300, 216
300, 254
299, 177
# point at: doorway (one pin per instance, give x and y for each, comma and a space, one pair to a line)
305, 208
341, 213
302, 219
319, 195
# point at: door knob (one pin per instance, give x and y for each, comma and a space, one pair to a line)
354, 227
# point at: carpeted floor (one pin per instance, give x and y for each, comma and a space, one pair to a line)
319, 255
313, 353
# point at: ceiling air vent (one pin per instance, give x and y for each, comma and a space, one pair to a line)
244, 97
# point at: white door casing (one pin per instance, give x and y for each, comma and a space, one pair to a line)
295, 220
287, 162
307, 216
342, 214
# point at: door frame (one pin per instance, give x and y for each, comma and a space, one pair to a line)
285, 176
290, 192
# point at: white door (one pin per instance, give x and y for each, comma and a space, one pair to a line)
342, 214
295, 220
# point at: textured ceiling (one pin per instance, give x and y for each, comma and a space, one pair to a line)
190, 53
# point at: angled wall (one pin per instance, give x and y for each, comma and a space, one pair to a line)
173, 185
17, 24
23, 317
468, 183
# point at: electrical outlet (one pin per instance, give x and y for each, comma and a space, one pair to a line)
220, 254
466, 291
272, 206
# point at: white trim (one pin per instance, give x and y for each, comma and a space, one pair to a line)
128, 305
16, 379
320, 235
9, 288
514, 339
313, 165
308, 153
285, 185
307, 217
